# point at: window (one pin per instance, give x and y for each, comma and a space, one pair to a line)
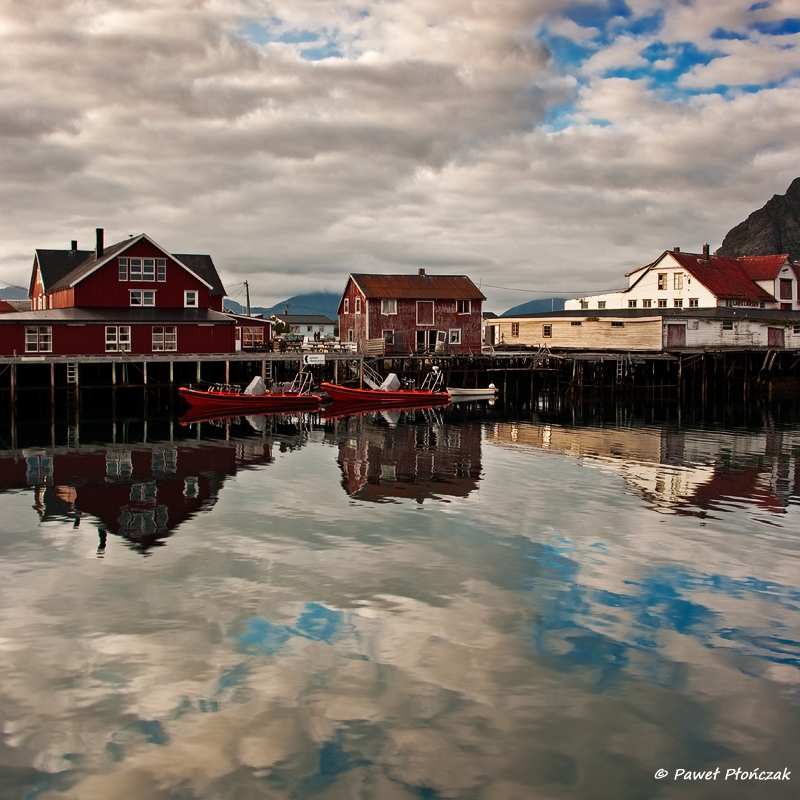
123, 269
143, 298
38, 339
677, 280
694, 302
647, 303
161, 264
631, 304
347, 305
358, 305
727, 326
455, 336
576, 323
662, 303
309, 329
464, 306
388, 336
515, 328
135, 269
601, 303
165, 337
584, 304
388, 306
678, 303
351, 335
662, 280
190, 299
615, 324
148, 269
796, 329
786, 289
118, 339
252, 336
547, 331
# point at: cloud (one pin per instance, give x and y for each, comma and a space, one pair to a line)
299, 142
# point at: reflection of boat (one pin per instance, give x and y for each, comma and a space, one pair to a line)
472, 394
219, 398
220, 416
343, 408
391, 395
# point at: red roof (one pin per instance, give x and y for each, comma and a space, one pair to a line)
6, 308
418, 287
723, 276
763, 268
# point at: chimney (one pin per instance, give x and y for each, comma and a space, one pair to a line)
706, 251
422, 271
74, 244
99, 248
676, 249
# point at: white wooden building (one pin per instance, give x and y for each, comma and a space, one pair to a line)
701, 280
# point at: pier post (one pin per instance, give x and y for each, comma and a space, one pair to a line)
198, 372
227, 371
52, 384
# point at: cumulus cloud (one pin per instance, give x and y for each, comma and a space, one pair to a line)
298, 142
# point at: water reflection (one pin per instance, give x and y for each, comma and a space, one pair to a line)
400, 606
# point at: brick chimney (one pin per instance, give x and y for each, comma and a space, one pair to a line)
74, 244
421, 271
706, 251
99, 247
676, 249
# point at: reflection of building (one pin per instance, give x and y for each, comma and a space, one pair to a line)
672, 468
140, 492
385, 457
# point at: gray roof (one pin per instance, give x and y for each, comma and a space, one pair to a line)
124, 315
305, 319
63, 268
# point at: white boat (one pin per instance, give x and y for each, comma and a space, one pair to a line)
466, 394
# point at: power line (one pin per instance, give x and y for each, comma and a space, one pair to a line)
550, 291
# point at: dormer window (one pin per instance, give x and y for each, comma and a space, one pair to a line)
190, 299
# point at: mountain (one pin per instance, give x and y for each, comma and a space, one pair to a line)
325, 303
13, 293
536, 306
773, 229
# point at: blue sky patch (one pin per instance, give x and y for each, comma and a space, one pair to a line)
597, 16
781, 27
759, 6
721, 33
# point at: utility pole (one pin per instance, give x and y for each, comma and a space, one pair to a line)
247, 292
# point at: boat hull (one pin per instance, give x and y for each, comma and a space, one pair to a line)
477, 393
375, 398
247, 403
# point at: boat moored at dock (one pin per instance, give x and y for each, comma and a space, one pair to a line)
392, 393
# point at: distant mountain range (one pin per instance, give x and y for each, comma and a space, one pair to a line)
773, 229
325, 303
536, 306
13, 293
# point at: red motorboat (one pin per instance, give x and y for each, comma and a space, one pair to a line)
233, 399
430, 393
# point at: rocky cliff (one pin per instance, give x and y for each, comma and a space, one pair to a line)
773, 229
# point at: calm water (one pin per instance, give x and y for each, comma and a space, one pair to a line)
435, 604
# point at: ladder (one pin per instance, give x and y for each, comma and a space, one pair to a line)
372, 378
620, 368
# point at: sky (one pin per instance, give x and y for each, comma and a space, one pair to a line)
540, 147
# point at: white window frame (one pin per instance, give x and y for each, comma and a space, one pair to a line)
148, 270
346, 305
195, 298
161, 270
547, 330
252, 335
135, 263
463, 306
165, 338
118, 338
123, 269
662, 284
677, 281
388, 336
351, 335
38, 339
388, 306
358, 305
454, 336
142, 297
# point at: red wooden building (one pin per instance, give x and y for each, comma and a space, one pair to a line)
132, 297
412, 313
